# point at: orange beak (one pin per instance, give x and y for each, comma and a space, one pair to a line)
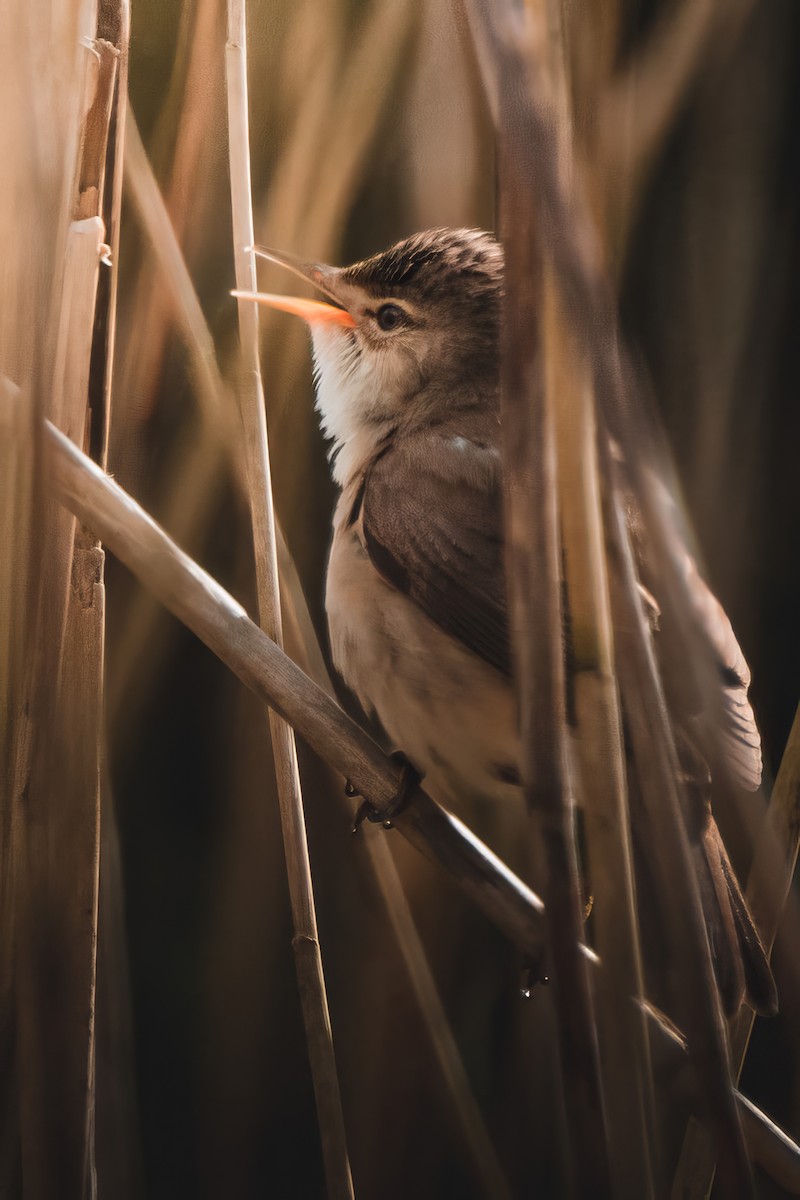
315, 312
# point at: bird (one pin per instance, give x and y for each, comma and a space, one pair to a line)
406, 350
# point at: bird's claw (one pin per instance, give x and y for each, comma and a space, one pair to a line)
409, 779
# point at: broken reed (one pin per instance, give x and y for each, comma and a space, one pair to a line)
56, 345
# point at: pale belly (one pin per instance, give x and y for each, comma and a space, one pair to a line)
445, 708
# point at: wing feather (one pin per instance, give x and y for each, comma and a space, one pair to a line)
431, 522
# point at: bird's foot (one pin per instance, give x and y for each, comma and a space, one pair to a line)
409, 779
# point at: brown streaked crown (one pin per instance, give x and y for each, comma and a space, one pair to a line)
454, 280
432, 263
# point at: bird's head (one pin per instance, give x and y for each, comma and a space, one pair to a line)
407, 336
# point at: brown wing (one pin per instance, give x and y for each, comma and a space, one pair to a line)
432, 526
740, 736
733, 726
736, 732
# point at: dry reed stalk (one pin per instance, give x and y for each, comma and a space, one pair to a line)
217, 450
446, 174
582, 49
669, 859
114, 27
645, 102
769, 1146
533, 561
305, 943
222, 624
204, 454
17, 523
355, 79
622, 1026
646, 98
184, 588
768, 885
195, 93
582, 52
360, 96
773, 866
477, 1146
114, 1122
178, 301
532, 551
571, 244
33, 224
55, 823
59, 811
304, 648
356, 76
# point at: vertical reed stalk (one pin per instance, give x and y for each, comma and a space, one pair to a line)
622, 1025
17, 529
308, 958
304, 649
477, 1145
582, 49
572, 244
532, 549
533, 558
116, 1149
669, 859
203, 452
768, 885
58, 810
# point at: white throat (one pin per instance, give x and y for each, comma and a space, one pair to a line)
354, 398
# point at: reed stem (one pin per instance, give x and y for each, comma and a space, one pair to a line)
305, 943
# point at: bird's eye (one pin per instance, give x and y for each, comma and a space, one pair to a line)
390, 316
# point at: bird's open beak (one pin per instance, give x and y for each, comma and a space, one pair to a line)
312, 311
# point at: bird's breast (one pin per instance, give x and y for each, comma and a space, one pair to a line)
445, 708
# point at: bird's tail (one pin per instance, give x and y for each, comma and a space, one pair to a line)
740, 961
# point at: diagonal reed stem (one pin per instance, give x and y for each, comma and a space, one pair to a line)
305, 943
768, 884
197, 600
304, 648
221, 623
